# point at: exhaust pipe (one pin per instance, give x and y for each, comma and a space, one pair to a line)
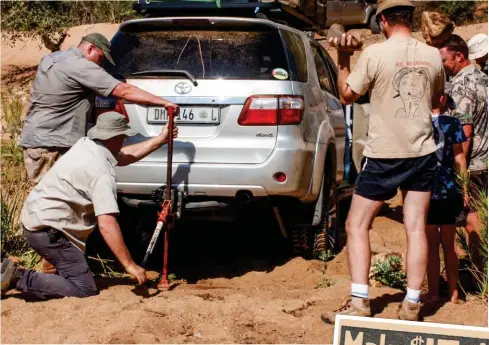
244, 196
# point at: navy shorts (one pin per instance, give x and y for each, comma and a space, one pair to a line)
381, 178
445, 212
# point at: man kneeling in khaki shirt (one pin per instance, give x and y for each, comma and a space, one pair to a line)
78, 192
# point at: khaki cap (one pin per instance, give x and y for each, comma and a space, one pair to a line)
101, 42
477, 46
383, 5
109, 125
436, 28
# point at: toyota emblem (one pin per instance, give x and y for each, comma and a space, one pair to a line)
183, 88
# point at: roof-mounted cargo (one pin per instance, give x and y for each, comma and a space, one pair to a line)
288, 12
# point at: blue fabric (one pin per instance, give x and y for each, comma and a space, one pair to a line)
447, 132
74, 278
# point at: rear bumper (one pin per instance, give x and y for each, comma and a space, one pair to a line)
224, 180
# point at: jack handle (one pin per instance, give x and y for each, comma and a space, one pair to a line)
166, 206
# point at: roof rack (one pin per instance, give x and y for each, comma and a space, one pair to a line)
272, 10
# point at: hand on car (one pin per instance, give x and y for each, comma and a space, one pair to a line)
137, 272
347, 43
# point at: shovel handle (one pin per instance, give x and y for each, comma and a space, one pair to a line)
170, 153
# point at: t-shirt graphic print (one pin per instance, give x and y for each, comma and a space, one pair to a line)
402, 77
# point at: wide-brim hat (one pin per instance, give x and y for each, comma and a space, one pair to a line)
109, 125
383, 5
477, 46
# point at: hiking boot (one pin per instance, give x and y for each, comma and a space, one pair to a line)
409, 311
348, 308
8, 279
47, 267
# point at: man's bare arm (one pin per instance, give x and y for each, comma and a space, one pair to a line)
469, 131
134, 94
461, 168
111, 232
347, 95
132, 153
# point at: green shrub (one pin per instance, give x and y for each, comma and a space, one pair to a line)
49, 21
325, 283
389, 272
458, 11
461, 12
480, 205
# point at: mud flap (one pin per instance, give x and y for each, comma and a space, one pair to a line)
318, 210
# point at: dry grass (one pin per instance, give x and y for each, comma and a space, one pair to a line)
479, 203
13, 182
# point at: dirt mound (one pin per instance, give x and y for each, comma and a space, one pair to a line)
30, 53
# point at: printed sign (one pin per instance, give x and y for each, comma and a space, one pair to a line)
350, 330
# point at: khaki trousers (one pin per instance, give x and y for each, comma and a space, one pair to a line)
39, 160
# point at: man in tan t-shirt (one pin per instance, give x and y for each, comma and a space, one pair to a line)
403, 76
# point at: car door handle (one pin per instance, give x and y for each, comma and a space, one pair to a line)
327, 109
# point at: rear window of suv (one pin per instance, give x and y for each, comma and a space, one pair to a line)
206, 54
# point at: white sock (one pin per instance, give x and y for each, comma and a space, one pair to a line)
359, 290
413, 295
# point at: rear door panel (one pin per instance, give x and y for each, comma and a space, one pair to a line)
227, 142
231, 60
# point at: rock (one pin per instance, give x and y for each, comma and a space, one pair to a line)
377, 243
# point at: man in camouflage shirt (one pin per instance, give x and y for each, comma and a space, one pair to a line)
469, 91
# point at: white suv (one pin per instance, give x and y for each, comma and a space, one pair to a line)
260, 117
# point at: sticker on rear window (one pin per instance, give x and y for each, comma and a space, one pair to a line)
280, 73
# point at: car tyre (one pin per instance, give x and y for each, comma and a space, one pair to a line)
318, 241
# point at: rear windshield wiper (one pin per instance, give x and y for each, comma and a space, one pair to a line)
168, 72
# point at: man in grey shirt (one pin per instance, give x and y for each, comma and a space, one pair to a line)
62, 98
62, 210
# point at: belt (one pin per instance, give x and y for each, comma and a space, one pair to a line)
53, 234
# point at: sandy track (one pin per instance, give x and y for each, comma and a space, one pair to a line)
271, 304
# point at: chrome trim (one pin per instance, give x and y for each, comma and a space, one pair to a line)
213, 100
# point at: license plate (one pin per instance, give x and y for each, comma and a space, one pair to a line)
193, 115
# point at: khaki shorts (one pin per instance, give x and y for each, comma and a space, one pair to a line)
39, 160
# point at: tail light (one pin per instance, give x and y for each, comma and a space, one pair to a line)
272, 111
106, 104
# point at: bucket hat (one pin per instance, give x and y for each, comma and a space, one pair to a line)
109, 125
477, 46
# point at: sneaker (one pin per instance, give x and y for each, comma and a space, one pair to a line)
347, 308
409, 311
8, 269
